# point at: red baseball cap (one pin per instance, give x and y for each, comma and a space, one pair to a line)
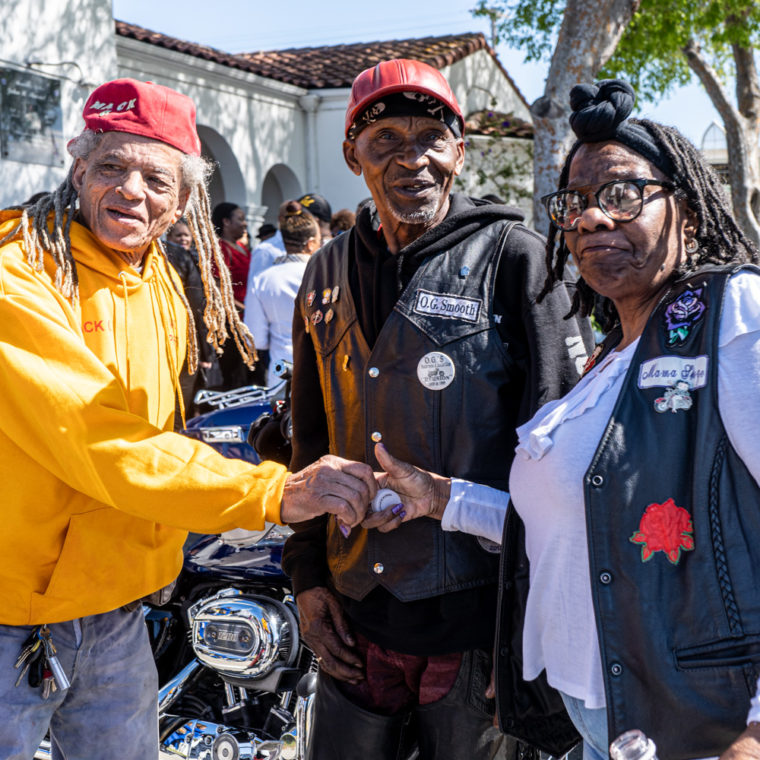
399, 75
146, 109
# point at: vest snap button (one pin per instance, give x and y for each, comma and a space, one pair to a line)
374, 371
376, 437
616, 669
605, 577
378, 567
597, 481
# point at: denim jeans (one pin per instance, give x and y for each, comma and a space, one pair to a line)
110, 709
591, 725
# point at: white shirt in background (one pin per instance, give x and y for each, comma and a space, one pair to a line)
269, 307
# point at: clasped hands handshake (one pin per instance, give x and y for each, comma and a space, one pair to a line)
344, 488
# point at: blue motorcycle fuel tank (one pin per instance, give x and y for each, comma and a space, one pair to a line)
241, 558
213, 557
227, 429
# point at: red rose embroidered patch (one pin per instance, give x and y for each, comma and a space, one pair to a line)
664, 528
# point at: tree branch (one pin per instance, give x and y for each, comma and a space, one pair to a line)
742, 152
711, 82
747, 84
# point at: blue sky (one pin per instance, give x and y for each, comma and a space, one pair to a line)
247, 25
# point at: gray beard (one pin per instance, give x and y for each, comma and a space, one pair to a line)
419, 216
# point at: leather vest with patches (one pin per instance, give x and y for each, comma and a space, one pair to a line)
673, 521
432, 388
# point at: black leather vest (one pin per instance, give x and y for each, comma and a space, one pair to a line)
673, 520
679, 633
433, 388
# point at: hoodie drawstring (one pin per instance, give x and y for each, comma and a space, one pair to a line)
161, 288
125, 296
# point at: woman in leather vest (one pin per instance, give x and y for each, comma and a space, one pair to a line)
631, 559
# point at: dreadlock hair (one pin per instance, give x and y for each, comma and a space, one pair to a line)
220, 312
720, 239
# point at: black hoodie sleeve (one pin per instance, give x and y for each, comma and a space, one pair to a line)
550, 349
304, 556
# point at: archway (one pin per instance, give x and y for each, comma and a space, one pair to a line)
280, 184
226, 183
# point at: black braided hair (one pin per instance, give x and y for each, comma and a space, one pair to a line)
719, 237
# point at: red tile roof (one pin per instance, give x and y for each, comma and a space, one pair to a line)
338, 65
498, 124
329, 66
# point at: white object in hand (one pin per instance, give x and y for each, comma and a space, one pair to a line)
384, 498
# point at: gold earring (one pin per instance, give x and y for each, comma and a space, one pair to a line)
692, 246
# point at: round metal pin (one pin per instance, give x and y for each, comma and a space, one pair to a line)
384, 498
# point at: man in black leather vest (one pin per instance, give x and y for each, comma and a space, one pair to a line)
419, 328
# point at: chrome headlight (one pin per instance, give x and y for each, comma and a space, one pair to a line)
243, 636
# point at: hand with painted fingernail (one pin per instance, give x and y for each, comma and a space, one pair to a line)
420, 493
330, 485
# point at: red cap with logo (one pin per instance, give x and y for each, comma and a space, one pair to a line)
146, 109
399, 75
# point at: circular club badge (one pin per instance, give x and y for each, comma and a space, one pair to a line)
435, 371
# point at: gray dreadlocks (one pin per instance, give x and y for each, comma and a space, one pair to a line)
62, 203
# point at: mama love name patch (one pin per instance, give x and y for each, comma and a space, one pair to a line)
665, 371
447, 305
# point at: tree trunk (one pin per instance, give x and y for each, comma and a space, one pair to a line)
587, 39
748, 100
742, 127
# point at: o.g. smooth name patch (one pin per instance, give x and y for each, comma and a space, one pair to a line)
447, 305
665, 371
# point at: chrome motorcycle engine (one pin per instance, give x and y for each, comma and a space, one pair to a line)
244, 638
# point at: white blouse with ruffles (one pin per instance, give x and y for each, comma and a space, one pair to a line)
554, 452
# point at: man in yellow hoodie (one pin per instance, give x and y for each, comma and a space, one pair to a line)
98, 493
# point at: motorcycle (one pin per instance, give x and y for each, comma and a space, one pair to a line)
237, 680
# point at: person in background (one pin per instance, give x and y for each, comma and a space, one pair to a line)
639, 491
361, 204
342, 221
318, 207
230, 224
269, 315
266, 232
179, 235
98, 492
267, 251
418, 327
184, 258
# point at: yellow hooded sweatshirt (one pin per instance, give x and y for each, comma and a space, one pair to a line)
97, 492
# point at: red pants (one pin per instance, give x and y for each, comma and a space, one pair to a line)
395, 681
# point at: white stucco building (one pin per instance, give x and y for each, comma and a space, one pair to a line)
273, 121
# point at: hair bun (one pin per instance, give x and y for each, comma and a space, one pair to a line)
599, 108
293, 208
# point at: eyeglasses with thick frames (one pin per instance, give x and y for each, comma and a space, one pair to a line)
620, 200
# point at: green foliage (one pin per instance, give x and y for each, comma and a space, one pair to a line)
649, 54
528, 25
